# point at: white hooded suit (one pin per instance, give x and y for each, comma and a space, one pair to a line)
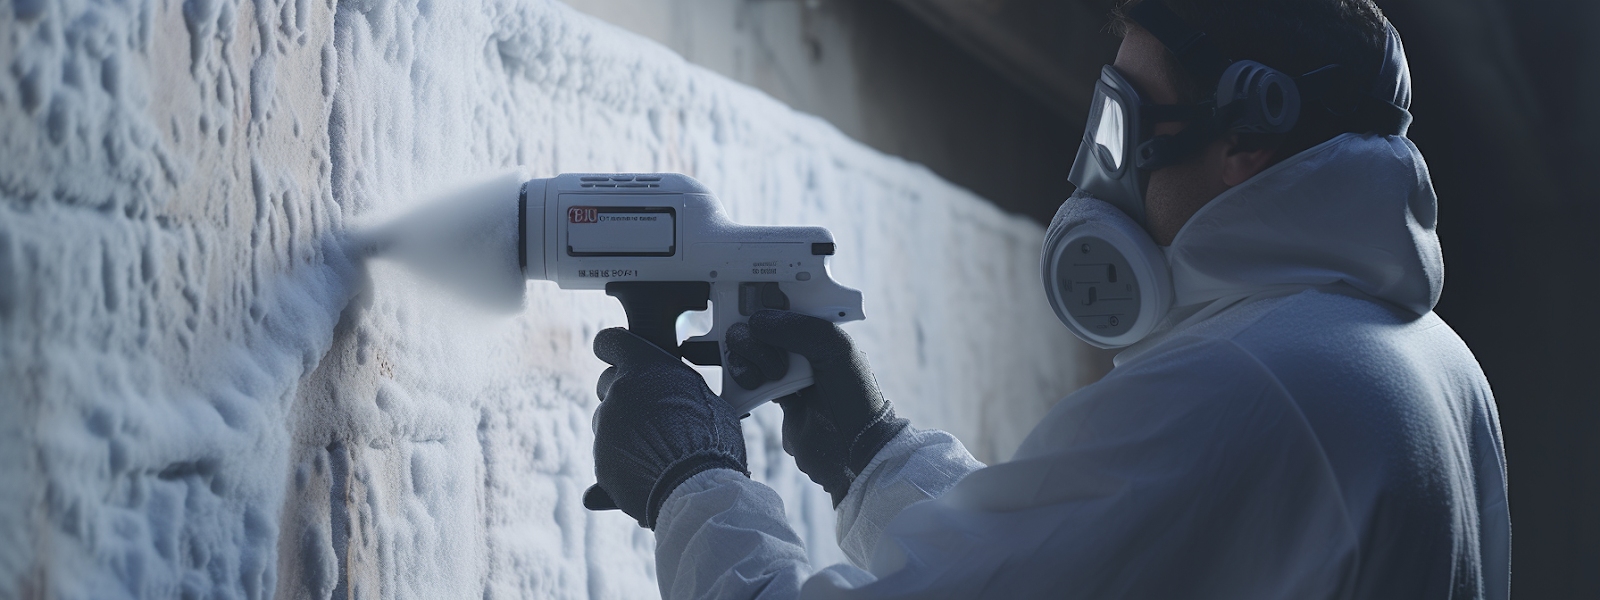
1300, 426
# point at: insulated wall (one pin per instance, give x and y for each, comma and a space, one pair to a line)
205, 395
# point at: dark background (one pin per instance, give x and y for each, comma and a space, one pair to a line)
1506, 95
1507, 106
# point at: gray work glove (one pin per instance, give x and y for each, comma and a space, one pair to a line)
833, 428
657, 426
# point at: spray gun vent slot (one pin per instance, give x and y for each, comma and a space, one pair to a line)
620, 181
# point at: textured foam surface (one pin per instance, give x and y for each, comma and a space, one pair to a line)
202, 395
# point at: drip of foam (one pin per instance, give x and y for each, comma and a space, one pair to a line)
464, 239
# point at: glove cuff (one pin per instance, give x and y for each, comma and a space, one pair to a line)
679, 472
868, 442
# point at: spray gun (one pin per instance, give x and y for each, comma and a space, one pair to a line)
661, 245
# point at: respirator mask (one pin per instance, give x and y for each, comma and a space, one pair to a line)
1104, 276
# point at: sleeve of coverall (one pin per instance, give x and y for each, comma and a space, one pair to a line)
722, 535
916, 465
1188, 475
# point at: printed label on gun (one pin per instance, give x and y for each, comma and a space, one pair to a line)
621, 231
608, 273
769, 267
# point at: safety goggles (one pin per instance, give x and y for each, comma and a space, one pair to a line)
1119, 147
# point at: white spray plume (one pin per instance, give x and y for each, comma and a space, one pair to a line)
464, 238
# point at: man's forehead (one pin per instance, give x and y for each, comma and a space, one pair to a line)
1142, 60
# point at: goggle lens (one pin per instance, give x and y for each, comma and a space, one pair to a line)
1110, 131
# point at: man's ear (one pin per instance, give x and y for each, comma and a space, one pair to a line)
1246, 156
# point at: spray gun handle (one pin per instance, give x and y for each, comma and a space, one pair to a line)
653, 308
744, 400
734, 302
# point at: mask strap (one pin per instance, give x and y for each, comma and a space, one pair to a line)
1163, 150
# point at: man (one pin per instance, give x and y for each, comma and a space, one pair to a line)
1290, 419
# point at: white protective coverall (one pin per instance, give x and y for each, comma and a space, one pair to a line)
1301, 426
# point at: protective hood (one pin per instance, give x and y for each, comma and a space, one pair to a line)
1394, 77
1356, 212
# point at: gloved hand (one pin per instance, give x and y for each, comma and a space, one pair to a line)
833, 428
657, 426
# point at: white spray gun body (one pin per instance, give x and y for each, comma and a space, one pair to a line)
661, 244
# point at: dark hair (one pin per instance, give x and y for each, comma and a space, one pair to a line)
1292, 36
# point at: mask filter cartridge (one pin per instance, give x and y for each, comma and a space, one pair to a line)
1103, 275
